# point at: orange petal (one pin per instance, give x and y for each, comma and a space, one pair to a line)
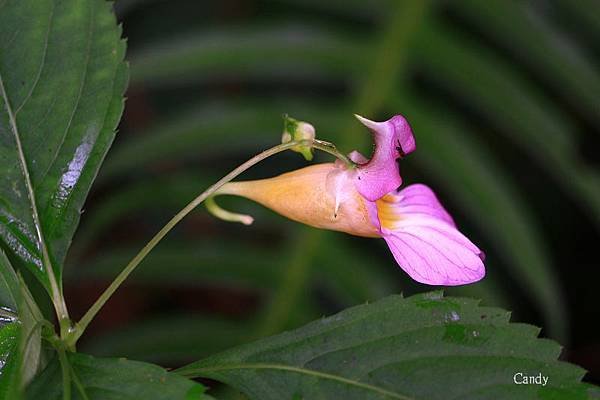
308, 195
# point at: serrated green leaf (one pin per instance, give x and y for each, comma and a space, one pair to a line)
113, 379
62, 79
422, 347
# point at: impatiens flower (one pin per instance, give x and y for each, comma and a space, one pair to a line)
364, 200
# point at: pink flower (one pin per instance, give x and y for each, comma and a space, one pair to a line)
365, 201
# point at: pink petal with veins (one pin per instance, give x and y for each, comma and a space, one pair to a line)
419, 199
424, 240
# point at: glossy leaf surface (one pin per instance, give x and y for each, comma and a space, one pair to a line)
62, 78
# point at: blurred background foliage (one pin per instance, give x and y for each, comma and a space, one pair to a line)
503, 97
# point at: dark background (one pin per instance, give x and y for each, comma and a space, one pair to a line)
503, 100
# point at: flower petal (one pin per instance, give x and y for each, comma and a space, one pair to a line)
425, 241
380, 175
417, 199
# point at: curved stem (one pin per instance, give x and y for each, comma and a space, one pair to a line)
80, 327
331, 149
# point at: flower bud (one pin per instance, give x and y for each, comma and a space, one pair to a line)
298, 130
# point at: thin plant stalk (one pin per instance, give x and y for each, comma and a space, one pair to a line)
80, 326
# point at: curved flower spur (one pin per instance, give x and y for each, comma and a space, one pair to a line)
361, 196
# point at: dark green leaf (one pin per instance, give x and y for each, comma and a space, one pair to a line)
62, 78
113, 379
422, 347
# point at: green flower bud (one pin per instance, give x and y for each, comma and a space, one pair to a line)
298, 130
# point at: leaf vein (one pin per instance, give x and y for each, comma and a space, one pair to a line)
76, 105
42, 63
317, 374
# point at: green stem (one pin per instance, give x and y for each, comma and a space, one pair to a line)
331, 149
66, 373
80, 327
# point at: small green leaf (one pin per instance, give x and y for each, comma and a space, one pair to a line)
9, 286
113, 379
10, 332
30, 345
20, 349
422, 347
9, 361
